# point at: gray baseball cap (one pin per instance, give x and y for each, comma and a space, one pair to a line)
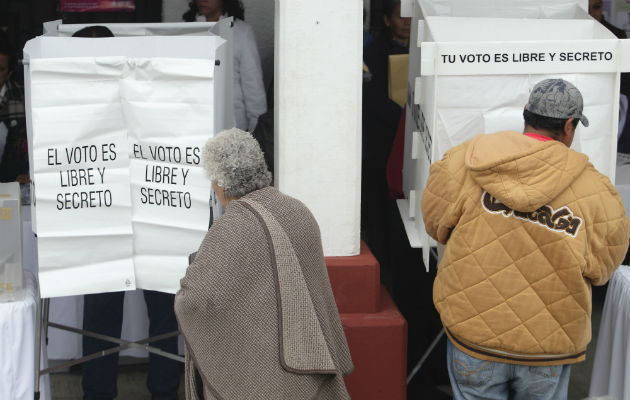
556, 98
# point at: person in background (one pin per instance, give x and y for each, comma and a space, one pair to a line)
367, 37
529, 225
255, 307
380, 119
103, 314
13, 141
249, 92
595, 9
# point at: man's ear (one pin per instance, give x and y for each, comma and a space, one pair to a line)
568, 132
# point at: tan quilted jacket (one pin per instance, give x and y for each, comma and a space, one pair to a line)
528, 227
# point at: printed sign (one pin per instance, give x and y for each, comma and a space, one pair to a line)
82, 168
120, 191
96, 5
519, 58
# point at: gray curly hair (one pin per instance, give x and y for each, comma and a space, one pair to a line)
233, 160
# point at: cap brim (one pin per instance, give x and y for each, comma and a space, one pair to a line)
584, 120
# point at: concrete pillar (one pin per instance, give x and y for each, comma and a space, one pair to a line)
318, 61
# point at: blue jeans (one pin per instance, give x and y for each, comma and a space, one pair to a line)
472, 378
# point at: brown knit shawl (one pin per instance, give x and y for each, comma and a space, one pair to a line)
256, 309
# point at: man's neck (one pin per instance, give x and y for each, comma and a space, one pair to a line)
542, 132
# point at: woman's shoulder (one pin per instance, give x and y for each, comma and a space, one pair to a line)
236, 225
242, 28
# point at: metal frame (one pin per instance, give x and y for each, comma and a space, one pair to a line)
424, 357
42, 324
433, 252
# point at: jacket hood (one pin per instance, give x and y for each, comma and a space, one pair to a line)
521, 172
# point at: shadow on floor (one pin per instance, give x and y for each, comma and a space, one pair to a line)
132, 376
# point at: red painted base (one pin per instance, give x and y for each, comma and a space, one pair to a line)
378, 345
375, 329
355, 282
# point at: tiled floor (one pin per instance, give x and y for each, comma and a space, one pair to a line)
132, 375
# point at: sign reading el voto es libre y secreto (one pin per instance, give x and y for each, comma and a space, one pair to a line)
74, 173
169, 174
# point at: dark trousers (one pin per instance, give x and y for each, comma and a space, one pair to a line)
103, 313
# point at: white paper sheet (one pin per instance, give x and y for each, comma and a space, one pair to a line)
169, 109
485, 104
121, 198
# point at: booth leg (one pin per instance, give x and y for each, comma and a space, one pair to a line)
41, 327
46, 315
38, 345
425, 356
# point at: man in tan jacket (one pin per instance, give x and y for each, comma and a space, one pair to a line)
529, 225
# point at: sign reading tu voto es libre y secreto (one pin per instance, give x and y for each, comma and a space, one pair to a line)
121, 199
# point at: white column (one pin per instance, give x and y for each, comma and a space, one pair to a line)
318, 61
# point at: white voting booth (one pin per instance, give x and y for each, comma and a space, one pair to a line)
116, 126
11, 243
472, 65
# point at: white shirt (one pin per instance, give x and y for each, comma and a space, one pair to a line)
250, 100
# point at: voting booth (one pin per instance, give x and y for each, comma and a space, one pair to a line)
11, 243
115, 128
472, 65
119, 198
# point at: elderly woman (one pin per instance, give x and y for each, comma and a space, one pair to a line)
255, 307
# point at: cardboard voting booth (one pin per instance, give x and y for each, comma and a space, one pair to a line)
472, 65
116, 126
11, 243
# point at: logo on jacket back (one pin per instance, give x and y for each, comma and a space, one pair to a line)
561, 220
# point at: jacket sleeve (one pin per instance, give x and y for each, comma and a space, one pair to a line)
441, 208
608, 235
